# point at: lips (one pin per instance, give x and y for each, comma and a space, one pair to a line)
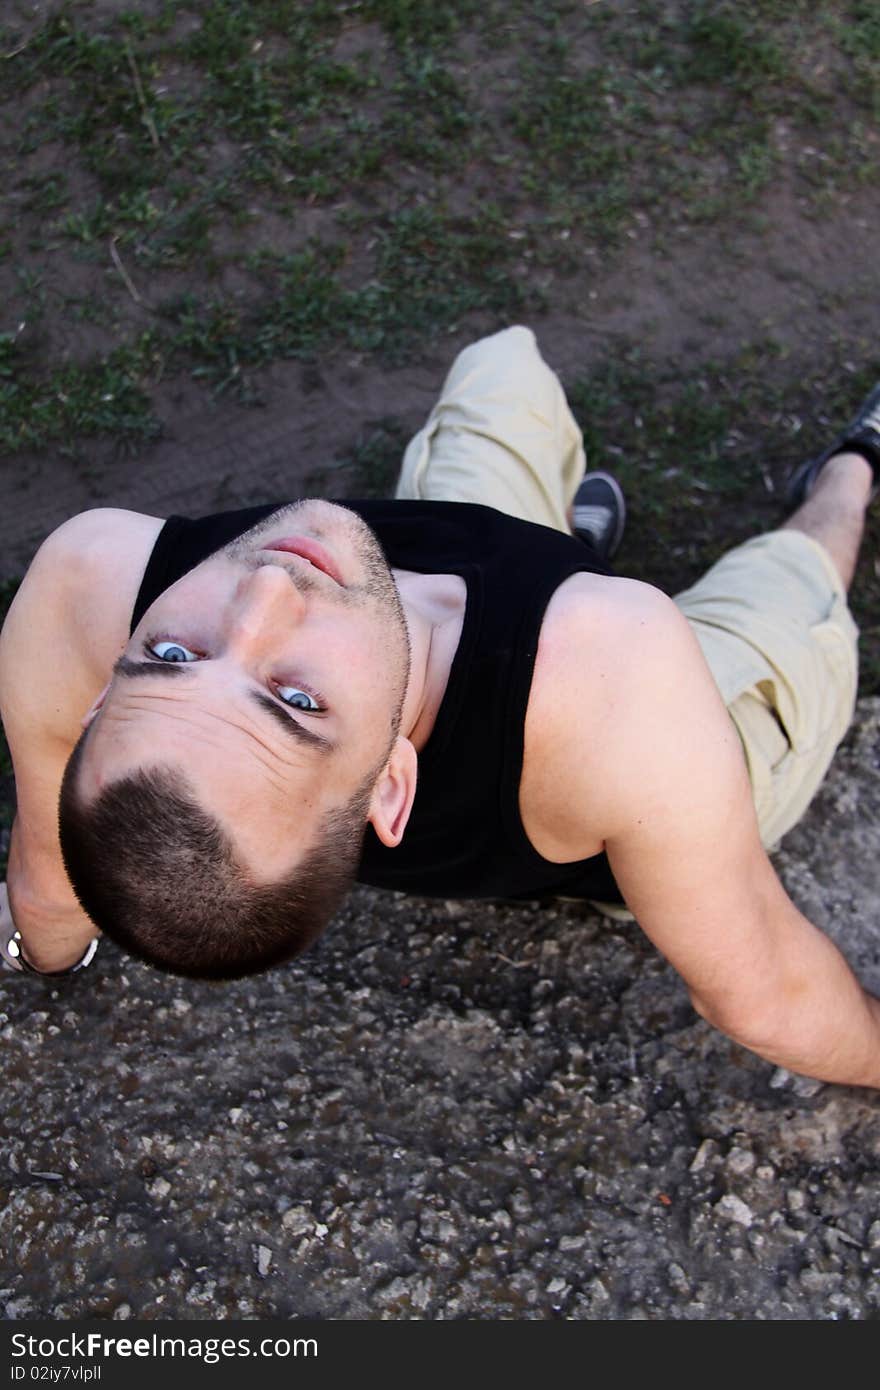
310, 550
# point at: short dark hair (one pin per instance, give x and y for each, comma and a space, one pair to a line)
158, 874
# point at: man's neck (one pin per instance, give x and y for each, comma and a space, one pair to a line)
434, 606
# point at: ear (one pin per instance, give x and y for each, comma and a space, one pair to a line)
93, 709
393, 793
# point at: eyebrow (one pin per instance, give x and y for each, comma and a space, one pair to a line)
300, 735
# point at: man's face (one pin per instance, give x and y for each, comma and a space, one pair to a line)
273, 679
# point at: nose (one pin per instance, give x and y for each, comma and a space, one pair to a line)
266, 603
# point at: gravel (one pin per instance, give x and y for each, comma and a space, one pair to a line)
444, 1110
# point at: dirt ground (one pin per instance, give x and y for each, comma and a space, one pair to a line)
444, 1111
685, 306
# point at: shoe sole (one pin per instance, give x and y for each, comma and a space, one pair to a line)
621, 505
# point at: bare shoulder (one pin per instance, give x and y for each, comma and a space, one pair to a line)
598, 633
69, 619
110, 537
586, 602
613, 655
104, 550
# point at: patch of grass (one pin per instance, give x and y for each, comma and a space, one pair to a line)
430, 117
726, 48
574, 119
119, 217
370, 467
296, 122
70, 402
861, 34
601, 114
688, 450
32, 290
179, 233
429, 270
704, 461
46, 192
103, 108
416, 23
755, 165
860, 37
672, 115
227, 46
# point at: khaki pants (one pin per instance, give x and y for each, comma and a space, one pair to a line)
771, 616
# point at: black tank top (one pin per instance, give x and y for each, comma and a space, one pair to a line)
464, 838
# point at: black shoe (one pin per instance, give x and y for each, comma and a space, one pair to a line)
861, 436
599, 513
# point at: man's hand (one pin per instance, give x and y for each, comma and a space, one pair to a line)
59, 960
7, 931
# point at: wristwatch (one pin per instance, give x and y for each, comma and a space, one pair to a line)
13, 949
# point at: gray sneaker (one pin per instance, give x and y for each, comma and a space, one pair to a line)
599, 513
861, 436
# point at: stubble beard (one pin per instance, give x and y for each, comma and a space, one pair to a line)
376, 589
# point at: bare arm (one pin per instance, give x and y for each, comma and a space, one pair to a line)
55, 932
45, 686
66, 627
682, 840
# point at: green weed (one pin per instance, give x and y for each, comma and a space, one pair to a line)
72, 402
466, 159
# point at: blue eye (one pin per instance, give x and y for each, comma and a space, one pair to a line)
299, 699
293, 696
173, 652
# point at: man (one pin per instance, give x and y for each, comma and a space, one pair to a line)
225, 703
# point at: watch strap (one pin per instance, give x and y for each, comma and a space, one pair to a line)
16, 953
